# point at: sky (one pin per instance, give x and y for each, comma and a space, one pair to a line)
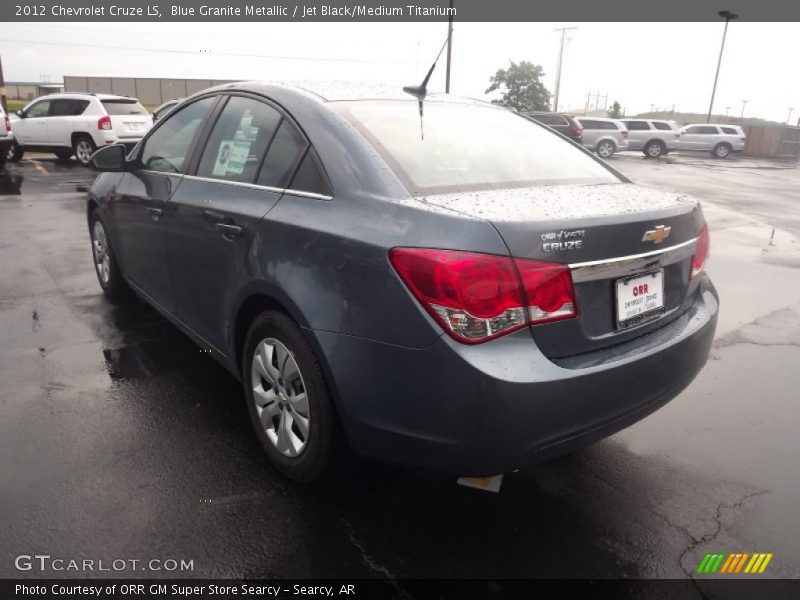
640, 65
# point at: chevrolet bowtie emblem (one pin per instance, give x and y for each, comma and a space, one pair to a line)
657, 235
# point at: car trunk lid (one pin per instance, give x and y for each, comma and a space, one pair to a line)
609, 234
128, 117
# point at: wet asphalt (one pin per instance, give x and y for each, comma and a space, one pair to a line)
119, 438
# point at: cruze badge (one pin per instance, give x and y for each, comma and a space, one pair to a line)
563, 240
657, 235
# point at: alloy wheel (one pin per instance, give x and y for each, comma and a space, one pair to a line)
605, 149
102, 261
83, 151
279, 394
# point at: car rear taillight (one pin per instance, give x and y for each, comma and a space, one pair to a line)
624, 133
477, 297
104, 123
8, 123
701, 252
577, 130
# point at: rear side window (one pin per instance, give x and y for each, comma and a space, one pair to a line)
310, 176
167, 147
662, 126
239, 139
67, 107
285, 151
123, 107
729, 130
637, 125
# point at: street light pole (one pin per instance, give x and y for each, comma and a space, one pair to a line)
728, 16
449, 48
744, 103
563, 31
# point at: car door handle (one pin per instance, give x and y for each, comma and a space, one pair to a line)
228, 231
155, 212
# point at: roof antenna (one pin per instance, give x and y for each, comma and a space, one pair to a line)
420, 91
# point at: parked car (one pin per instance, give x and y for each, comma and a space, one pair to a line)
77, 124
604, 136
6, 137
564, 124
471, 300
652, 136
719, 140
162, 110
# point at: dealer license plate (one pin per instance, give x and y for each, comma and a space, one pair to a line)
640, 298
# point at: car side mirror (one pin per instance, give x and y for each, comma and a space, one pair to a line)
110, 158
21, 114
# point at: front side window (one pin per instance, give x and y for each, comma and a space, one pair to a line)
240, 137
40, 109
458, 147
168, 146
703, 129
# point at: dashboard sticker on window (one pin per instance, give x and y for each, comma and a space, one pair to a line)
231, 157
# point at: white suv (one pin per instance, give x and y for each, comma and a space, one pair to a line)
720, 140
78, 124
654, 137
604, 136
6, 137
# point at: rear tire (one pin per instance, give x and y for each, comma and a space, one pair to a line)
105, 261
721, 151
605, 149
15, 152
654, 149
288, 401
83, 147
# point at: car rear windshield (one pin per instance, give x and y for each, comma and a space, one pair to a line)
459, 147
123, 107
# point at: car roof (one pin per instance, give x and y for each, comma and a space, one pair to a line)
340, 91
73, 95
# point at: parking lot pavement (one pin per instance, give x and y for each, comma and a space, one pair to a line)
120, 439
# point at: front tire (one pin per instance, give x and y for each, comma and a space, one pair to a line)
105, 261
605, 149
15, 153
655, 149
83, 147
288, 401
721, 151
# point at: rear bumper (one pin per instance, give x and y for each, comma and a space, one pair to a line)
491, 408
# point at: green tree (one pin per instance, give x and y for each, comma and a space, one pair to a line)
616, 110
521, 86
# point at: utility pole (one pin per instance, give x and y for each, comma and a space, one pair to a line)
3, 100
789, 118
727, 110
728, 16
744, 103
449, 47
563, 31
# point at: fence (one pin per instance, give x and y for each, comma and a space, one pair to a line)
149, 90
773, 142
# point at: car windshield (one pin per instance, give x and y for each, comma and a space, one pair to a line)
123, 107
460, 147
